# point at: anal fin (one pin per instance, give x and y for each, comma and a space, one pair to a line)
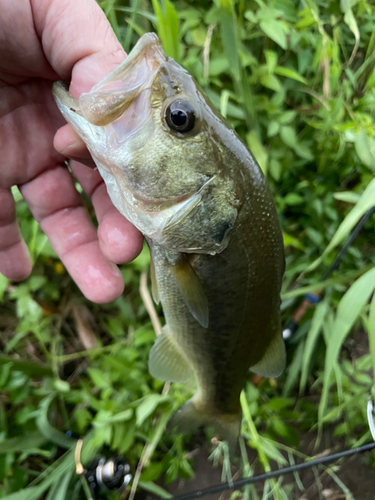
272, 363
191, 289
166, 362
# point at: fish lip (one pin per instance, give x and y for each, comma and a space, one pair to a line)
148, 47
126, 81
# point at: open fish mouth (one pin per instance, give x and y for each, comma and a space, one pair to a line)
114, 95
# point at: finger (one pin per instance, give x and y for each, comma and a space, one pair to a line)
94, 53
119, 240
56, 205
15, 263
78, 41
69, 144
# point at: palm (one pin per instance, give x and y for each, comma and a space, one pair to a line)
29, 121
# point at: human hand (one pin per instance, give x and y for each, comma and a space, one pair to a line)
42, 41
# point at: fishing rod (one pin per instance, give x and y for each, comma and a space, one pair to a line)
218, 488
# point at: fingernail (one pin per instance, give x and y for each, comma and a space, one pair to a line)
115, 270
86, 161
70, 147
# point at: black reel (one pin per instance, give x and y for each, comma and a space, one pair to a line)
107, 474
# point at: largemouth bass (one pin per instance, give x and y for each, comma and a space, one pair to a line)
177, 170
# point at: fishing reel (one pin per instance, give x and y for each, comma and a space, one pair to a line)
107, 475
110, 475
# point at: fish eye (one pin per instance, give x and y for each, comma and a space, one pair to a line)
180, 116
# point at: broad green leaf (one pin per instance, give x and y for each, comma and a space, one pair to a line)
293, 199
148, 405
36, 282
292, 241
290, 73
273, 128
273, 29
271, 60
312, 337
122, 416
288, 135
347, 196
365, 148
287, 117
366, 201
348, 310
275, 169
271, 82
100, 380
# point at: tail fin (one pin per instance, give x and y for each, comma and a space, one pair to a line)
194, 414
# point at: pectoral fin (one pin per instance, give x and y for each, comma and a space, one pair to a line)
166, 362
191, 289
273, 362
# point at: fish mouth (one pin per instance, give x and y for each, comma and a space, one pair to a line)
108, 100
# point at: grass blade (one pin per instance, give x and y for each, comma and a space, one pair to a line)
371, 337
312, 336
348, 311
229, 37
167, 25
23, 443
155, 489
46, 429
31, 369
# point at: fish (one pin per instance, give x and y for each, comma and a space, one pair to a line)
177, 170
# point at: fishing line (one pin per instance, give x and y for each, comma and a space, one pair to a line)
335, 264
218, 488
313, 298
